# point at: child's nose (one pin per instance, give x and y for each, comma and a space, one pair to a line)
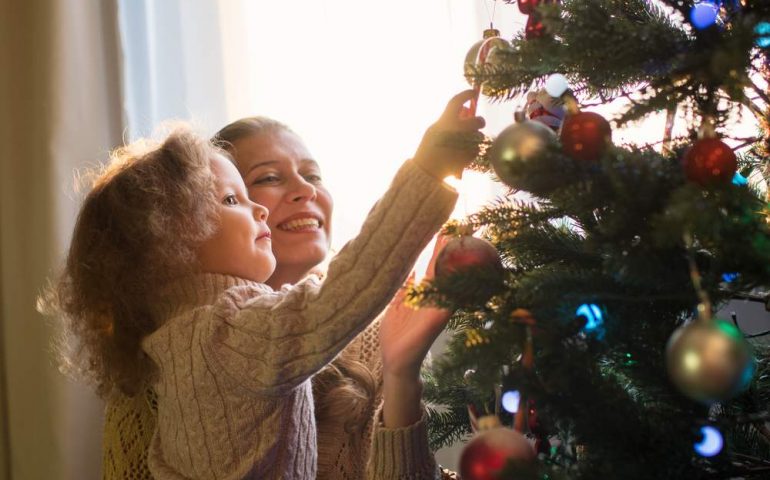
260, 212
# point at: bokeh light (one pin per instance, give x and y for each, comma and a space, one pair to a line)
594, 317
763, 30
711, 443
704, 14
511, 400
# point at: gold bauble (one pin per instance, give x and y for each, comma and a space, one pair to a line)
709, 361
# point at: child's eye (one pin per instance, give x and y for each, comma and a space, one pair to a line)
267, 179
230, 200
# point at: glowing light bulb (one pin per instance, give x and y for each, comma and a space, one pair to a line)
729, 277
712, 442
511, 400
703, 15
594, 318
763, 30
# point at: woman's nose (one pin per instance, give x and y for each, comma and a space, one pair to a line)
302, 190
260, 212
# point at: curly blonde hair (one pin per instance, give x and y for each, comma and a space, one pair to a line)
138, 227
346, 388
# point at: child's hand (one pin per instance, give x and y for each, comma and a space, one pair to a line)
451, 144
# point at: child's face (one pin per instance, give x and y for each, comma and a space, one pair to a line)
241, 245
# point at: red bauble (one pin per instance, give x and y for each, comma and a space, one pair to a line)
585, 136
474, 256
527, 7
464, 253
488, 452
534, 27
709, 161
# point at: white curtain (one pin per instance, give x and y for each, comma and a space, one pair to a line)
61, 109
358, 80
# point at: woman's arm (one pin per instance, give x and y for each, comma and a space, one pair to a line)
400, 446
406, 336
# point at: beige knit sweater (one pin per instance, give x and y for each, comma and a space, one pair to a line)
129, 424
235, 357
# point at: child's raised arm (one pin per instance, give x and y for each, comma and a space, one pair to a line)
272, 342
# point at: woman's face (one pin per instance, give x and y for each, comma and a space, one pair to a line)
280, 174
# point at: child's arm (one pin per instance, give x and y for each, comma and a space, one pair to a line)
275, 342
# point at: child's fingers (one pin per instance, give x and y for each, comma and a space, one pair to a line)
466, 112
455, 104
471, 123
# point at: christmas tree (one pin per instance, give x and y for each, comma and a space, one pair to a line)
587, 319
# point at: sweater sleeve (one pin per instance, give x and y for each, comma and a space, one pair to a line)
273, 342
129, 423
402, 453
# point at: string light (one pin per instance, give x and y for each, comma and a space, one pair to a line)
763, 31
594, 319
704, 14
711, 443
740, 180
511, 400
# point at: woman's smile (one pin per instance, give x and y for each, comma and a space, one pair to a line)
303, 222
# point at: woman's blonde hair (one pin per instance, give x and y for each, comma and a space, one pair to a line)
346, 388
138, 227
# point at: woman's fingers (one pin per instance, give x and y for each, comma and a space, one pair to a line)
400, 296
441, 241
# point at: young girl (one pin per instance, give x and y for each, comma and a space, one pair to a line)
169, 258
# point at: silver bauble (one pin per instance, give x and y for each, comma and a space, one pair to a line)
709, 361
519, 142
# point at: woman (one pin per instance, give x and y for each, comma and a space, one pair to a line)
381, 364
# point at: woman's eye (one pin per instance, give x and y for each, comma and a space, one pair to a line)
313, 178
266, 180
230, 200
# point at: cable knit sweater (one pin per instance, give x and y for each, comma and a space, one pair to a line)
130, 422
235, 357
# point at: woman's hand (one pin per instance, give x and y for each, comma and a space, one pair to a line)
451, 144
406, 335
